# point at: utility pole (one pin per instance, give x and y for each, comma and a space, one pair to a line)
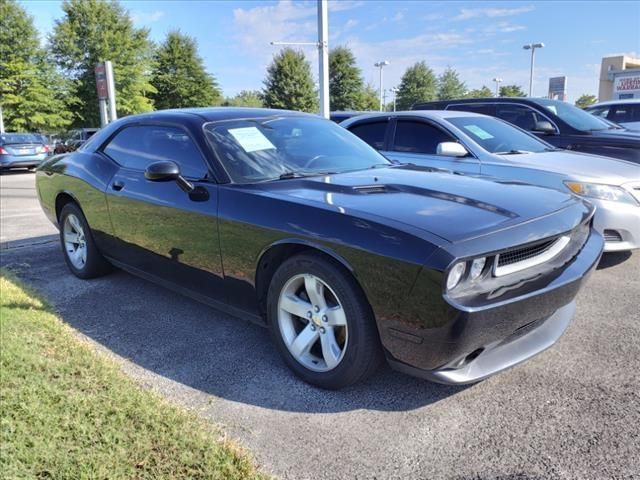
323, 55
381, 65
394, 90
111, 87
1, 121
532, 47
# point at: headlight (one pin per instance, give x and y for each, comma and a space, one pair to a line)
455, 274
476, 268
603, 192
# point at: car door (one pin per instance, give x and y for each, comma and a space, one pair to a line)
415, 140
159, 229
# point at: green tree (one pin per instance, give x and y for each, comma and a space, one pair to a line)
345, 81
369, 100
93, 31
418, 84
512, 91
450, 86
289, 83
483, 92
585, 100
246, 98
32, 92
179, 76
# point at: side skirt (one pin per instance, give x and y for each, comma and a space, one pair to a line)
223, 307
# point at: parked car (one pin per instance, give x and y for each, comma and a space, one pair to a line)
21, 150
342, 116
74, 139
290, 220
474, 144
558, 123
625, 113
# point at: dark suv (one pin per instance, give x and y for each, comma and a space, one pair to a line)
559, 123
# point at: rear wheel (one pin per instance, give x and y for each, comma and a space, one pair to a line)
321, 323
80, 252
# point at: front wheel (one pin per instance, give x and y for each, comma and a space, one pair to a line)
321, 323
80, 251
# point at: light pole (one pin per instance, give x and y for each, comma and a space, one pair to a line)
498, 81
394, 90
532, 47
323, 55
381, 65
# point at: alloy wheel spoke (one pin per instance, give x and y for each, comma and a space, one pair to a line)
331, 351
295, 305
315, 291
305, 340
336, 316
75, 224
71, 237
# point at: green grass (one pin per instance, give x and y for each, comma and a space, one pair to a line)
68, 412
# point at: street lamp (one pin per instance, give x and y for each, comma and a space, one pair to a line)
498, 81
381, 65
532, 47
394, 90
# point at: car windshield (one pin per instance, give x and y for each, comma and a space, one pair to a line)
259, 149
13, 138
578, 119
496, 136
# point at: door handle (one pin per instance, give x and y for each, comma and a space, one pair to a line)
117, 185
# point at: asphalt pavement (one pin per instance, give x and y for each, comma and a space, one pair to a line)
572, 412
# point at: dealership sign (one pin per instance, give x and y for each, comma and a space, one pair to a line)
558, 88
625, 84
102, 85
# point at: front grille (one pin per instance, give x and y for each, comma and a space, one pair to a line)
612, 236
525, 253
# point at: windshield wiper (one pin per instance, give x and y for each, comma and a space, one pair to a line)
288, 175
512, 152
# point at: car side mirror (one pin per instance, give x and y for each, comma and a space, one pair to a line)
166, 171
544, 127
451, 149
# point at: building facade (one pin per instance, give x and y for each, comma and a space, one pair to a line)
619, 78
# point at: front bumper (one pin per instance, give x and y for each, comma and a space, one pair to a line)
619, 223
477, 342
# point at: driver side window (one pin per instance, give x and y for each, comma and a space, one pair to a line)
137, 147
418, 137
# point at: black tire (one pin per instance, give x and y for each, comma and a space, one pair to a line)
363, 353
95, 265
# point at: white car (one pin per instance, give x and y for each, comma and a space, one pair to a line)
623, 112
474, 144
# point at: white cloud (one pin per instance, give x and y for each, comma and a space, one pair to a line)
467, 13
504, 27
144, 18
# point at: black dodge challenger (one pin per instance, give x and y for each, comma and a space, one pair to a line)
292, 221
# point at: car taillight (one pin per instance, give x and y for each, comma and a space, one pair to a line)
43, 149
3, 151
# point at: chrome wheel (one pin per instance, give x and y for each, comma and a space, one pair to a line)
74, 241
312, 322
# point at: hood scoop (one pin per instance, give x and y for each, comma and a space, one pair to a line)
369, 189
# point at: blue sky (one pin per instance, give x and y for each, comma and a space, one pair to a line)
481, 40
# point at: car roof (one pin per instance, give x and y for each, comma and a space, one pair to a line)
615, 102
530, 100
432, 114
211, 114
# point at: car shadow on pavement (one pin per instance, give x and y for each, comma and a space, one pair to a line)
195, 345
